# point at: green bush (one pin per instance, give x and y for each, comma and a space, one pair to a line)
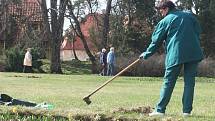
15, 57
14, 60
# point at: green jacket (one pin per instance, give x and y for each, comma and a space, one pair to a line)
180, 31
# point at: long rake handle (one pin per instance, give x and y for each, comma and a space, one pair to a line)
111, 79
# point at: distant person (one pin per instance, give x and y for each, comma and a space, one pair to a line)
103, 62
110, 62
27, 61
180, 31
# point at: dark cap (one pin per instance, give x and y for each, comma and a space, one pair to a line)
166, 4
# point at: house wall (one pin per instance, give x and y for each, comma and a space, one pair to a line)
67, 55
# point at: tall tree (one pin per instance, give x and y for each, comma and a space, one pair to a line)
205, 12
3, 20
8, 23
54, 29
131, 24
79, 33
70, 36
106, 25
207, 20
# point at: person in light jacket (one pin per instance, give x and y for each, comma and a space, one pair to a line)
110, 62
27, 64
180, 31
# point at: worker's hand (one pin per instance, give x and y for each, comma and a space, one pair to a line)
142, 56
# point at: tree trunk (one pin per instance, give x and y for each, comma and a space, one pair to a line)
55, 41
73, 49
46, 25
81, 36
3, 20
106, 23
57, 21
56, 31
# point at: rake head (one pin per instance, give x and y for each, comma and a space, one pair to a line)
87, 100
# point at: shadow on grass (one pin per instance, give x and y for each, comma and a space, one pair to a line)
70, 67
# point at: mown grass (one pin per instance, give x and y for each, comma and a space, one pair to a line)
65, 92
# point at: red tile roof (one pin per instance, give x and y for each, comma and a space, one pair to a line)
27, 8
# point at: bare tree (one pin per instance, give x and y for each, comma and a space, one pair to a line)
70, 35
3, 20
106, 25
54, 30
79, 33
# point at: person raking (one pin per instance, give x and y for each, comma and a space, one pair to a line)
180, 31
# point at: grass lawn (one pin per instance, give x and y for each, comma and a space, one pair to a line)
65, 92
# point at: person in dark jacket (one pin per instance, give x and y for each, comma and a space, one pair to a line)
181, 33
103, 62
